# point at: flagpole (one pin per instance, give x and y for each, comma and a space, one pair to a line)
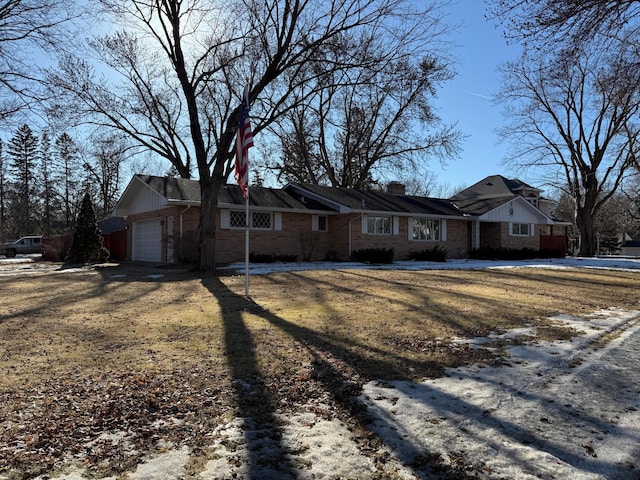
244, 141
246, 245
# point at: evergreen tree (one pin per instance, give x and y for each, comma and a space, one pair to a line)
22, 152
47, 183
87, 239
68, 175
4, 190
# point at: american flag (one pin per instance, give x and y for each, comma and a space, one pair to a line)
244, 141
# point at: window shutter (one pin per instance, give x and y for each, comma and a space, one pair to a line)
396, 225
224, 219
443, 230
410, 228
277, 221
531, 228
314, 223
363, 228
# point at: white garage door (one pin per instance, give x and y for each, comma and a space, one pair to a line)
147, 241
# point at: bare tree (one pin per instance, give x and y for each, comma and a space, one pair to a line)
26, 27
573, 22
104, 169
372, 121
577, 121
183, 66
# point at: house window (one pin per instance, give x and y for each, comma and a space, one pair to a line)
259, 220
379, 225
426, 229
319, 223
520, 229
237, 219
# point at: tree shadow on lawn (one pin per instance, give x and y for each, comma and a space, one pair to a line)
340, 369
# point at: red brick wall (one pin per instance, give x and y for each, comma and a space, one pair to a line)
514, 242
496, 235
295, 238
455, 244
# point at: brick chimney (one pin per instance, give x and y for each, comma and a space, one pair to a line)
396, 188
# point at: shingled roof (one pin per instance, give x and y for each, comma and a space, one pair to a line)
173, 189
183, 190
372, 201
489, 194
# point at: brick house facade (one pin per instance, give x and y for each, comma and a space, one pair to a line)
312, 223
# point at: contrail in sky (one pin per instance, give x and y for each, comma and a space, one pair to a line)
480, 95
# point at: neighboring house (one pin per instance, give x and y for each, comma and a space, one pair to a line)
510, 214
315, 222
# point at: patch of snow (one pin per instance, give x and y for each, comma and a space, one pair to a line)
610, 263
165, 466
538, 417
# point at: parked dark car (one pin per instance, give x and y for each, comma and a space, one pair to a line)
29, 244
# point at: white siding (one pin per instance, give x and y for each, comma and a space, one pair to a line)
514, 212
145, 201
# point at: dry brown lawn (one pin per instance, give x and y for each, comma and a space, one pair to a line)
113, 348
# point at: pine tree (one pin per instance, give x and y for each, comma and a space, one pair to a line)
47, 182
22, 152
68, 172
4, 190
87, 240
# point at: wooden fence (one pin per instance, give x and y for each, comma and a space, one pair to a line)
554, 242
55, 247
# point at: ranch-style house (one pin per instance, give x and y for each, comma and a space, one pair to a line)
312, 222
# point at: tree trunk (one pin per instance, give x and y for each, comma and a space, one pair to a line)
207, 232
584, 221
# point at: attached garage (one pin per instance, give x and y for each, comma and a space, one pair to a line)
147, 241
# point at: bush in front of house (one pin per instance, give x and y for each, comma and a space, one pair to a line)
433, 254
373, 255
87, 239
487, 253
271, 258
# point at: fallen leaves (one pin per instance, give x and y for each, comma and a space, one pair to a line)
109, 423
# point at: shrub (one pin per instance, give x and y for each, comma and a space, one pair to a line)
373, 255
434, 254
87, 239
271, 258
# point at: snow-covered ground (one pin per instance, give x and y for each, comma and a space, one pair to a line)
567, 409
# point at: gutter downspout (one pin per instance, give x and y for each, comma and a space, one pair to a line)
350, 224
182, 230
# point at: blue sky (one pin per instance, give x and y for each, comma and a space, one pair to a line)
467, 98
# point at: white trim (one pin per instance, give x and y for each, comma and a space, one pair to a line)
529, 228
225, 221
315, 223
